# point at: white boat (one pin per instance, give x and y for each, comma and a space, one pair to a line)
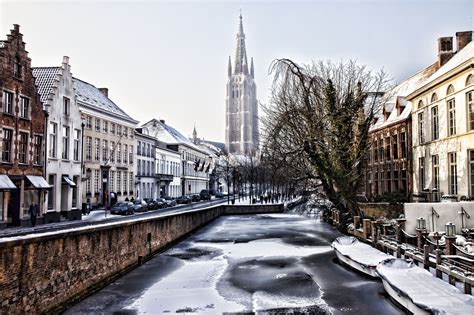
419, 292
358, 255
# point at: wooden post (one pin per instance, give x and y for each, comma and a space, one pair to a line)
439, 273
374, 234
451, 279
467, 288
426, 257
450, 250
399, 251
400, 227
420, 238
356, 222
365, 228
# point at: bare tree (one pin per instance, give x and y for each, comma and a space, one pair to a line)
317, 123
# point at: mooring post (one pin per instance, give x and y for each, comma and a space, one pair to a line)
439, 273
426, 257
374, 233
467, 287
400, 227
365, 228
399, 251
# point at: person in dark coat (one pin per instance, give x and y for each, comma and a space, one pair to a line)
33, 213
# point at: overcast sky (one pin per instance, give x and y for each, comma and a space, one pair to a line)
168, 60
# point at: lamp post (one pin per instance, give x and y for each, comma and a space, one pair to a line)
420, 232
450, 238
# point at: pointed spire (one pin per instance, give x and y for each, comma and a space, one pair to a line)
240, 53
194, 134
252, 73
229, 68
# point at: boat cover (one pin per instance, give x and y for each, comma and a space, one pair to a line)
359, 252
423, 289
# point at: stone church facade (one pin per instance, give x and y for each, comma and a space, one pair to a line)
242, 134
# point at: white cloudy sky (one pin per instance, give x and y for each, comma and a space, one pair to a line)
168, 59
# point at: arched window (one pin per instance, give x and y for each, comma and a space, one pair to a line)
420, 104
450, 89
434, 97
470, 79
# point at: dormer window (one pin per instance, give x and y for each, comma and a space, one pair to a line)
17, 68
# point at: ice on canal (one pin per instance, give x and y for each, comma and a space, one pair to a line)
280, 263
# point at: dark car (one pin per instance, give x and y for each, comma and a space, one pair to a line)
183, 200
195, 197
139, 205
151, 203
219, 195
170, 202
161, 203
205, 194
122, 208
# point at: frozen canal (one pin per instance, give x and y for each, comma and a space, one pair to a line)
273, 264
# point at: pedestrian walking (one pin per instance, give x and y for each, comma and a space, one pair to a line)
33, 213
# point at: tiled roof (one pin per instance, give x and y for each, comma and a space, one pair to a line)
88, 94
45, 79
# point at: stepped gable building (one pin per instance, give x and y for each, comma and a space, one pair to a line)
108, 173
443, 124
242, 133
64, 141
22, 128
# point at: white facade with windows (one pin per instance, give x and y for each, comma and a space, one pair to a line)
146, 186
443, 129
168, 168
64, 141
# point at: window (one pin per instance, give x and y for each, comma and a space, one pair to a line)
143, 153
119, 181
421, 170
125, 154
130, 156
112, 128
65, 153
66, 105
105, 126
420, 104
125, 183
471, 172
374, 149
97, 150
88, 185
96, 181
451, 117
119, 130
435, 164
53, 136
470, 80
88, 148
24, 107
51, 192
7, 145
450, 89
139, 147
148, 150
139, 167
8, 102
112, 181
403, 143
23, 148
434, 123
112, 151
89, 122
453, 174
97, 124
125, 132
434, 97
77, 148
75, 179
470, 110
395, 147
119, 153
421, 134
104, 150
38, 140
17, 68
130, 182
387, 148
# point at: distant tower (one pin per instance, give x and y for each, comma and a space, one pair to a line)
195, 135
241, 134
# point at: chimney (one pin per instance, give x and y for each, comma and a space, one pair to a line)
104, 91
463, 39
445, 50
162, 121
16, 28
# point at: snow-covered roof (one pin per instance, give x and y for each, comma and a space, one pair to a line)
45, 79
91, 96
397, 95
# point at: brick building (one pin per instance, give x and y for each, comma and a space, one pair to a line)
22, 122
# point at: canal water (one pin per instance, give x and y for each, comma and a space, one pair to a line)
270, 264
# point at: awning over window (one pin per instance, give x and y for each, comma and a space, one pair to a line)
6, 183
38, 182
69, 181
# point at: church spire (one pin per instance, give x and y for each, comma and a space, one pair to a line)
195, 135
252, 73
240, 53
229, 68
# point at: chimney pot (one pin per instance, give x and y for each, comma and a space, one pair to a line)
104, 91
463, 39
16, 28
65, 60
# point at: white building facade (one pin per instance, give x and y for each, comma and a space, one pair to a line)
242, 133
168, 170
443, 124
64, 142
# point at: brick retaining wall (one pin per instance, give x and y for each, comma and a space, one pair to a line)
46, 272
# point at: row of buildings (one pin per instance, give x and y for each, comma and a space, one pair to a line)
64, 142
422, 141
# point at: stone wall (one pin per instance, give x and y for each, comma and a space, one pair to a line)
46, 272
381, 209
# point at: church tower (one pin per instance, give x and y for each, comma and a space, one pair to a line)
242, 134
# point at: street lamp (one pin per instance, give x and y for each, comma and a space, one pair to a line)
450, 229
421, 223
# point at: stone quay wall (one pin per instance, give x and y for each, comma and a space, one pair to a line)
44, 273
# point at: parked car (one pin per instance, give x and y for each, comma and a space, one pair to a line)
161, 203
219, 195
151, 203
140, 205
195, 197
122, 208
205, 194
183, 200
170, 202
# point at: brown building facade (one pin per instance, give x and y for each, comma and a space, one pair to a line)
22, 122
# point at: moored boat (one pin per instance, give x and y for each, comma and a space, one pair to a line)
357, 255
419, 292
